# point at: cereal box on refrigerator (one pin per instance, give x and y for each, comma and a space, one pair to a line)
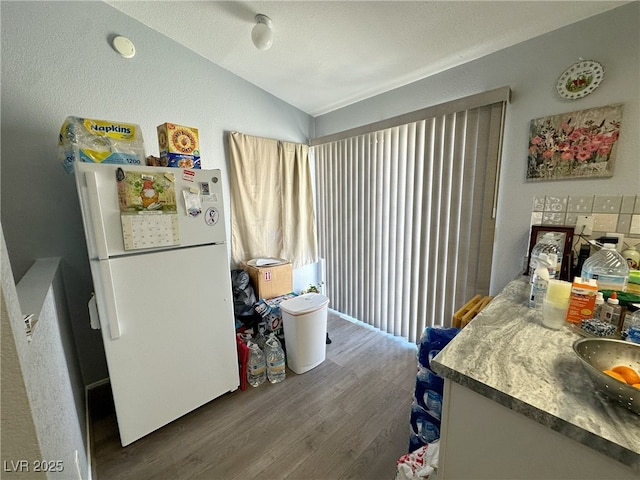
179, 146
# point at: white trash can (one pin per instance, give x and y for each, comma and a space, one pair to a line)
304, 319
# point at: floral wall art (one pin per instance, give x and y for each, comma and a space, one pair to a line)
574, 145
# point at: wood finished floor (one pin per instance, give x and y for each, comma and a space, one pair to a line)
346, 419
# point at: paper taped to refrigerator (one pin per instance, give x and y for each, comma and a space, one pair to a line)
149, 231
148, 209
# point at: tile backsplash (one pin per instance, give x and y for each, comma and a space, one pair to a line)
611, 213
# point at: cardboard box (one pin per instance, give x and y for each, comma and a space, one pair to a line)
178, 160
582, 301
270, 280
179, 145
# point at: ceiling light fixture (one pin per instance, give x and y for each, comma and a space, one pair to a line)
123, 46
262, 35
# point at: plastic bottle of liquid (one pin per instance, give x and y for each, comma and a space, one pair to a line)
275, 360
547, 245
256, 366
608, 267
555, 251
552, 266
539, 282
611, 310
597, 309
631, 328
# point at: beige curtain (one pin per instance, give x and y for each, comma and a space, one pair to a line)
271, 200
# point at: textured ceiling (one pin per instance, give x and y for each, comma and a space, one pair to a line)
326, 55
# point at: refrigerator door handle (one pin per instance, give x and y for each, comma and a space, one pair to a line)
109, 299
95, 208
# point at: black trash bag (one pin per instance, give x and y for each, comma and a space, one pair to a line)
244, 297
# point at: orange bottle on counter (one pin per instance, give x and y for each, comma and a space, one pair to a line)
582, 300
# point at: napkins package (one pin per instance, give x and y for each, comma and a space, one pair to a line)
99, 141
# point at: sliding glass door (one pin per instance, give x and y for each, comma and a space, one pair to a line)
406, 214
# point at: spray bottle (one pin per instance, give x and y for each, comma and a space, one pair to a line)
539, 281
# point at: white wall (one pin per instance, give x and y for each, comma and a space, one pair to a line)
531, 70
19, 438
50, 368
57, 61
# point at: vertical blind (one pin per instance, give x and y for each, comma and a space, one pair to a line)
405, 217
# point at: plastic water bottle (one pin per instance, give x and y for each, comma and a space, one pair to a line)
535, 254
608, 267
631, 327
548, 245
275, 360
256, 366
539, 282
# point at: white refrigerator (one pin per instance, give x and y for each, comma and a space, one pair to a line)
160, 267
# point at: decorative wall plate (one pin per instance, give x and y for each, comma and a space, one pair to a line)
580, 79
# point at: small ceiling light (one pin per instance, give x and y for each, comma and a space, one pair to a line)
123, 46
262, 35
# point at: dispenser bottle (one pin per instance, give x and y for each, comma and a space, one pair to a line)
597, 309
539, 282
611, 310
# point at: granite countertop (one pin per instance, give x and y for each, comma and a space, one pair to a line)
508, 356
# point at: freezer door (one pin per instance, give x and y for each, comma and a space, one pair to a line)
176, 350
99, 200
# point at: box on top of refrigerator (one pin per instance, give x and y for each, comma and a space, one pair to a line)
179, 146
99, 141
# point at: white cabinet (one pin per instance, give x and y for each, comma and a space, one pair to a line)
481, 439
